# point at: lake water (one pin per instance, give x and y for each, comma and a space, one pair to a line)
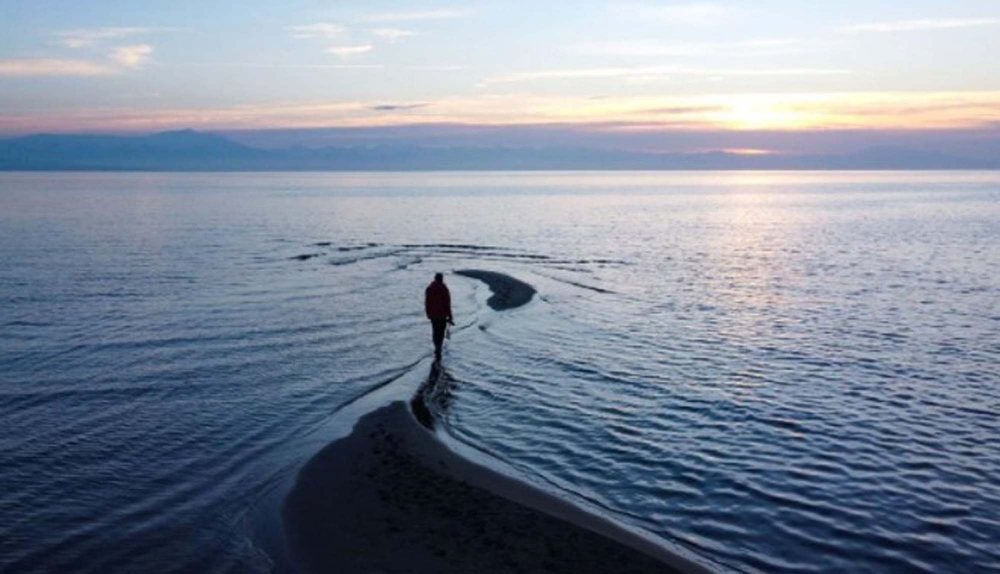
782, 372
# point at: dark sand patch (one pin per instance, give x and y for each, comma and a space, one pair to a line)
391, 498
305, 256
508, 292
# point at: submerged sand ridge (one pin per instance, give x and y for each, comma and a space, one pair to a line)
391, 497
508, 292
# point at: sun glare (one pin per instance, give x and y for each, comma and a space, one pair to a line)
748, 151
762, 115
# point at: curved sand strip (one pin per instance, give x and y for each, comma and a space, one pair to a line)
508, 292
391, 498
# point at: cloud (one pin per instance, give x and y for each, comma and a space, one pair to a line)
640, 48
657, 48
282, 66
660, 72
436, 68
701, 13
392, 34
325, 30
411, 16
87, 37
773, 72
49, 67
681, 110
348, 51
918, 25
121, 58
582, 73
398, 107
133, 57
732, 114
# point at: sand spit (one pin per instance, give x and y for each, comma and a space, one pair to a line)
391, 498
508, 292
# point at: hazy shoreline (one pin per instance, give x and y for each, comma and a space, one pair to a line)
183, 150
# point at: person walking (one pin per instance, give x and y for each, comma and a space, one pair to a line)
437, 305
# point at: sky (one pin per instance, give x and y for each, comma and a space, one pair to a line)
761, 76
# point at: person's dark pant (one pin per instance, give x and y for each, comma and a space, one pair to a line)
437, 327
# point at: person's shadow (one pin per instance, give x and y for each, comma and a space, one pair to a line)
434, 397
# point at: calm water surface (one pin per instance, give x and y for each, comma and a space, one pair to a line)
782, 372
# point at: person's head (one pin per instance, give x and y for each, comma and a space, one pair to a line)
439, 278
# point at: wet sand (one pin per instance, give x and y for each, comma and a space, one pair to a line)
508, 292
391, 498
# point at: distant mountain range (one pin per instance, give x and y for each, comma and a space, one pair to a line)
188, 150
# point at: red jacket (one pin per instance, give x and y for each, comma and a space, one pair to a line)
437, 301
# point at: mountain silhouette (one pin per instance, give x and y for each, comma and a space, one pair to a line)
189, 150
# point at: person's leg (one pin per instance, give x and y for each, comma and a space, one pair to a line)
438, 327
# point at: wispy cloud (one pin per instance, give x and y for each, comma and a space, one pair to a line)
278, 65
398, 107
50, 67
922, 24
120, 59
411, 16
698, 13
350, 40
392, 34
640, 48
133, 57
682, 110
774, 72
325, 30
348, 51
580, 73
343, 66
436, 68
658, 48
647, 72
730, 113
87, 37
